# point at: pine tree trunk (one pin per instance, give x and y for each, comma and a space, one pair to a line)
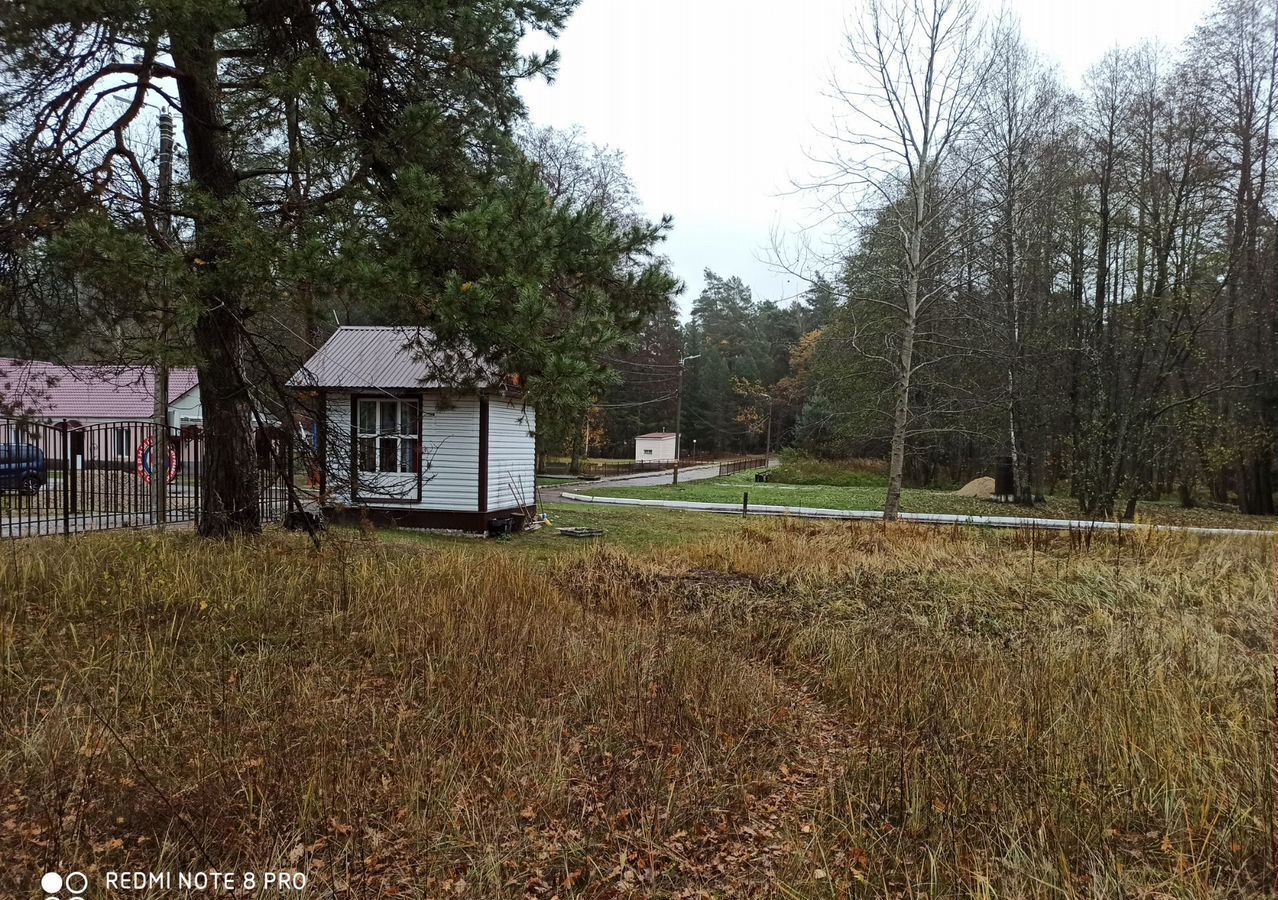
229, 493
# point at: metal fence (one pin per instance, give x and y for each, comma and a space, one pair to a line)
733, 466
69, 478
606, 470
611, 470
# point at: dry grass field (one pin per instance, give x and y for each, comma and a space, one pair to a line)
784, 710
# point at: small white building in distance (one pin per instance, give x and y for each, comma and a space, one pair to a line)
656, 446
418, 438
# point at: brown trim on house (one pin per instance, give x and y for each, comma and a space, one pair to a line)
421, 419
354, 446
424, 518
483, 454
321, 438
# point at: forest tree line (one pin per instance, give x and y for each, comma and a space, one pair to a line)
1083, 281
1096, 273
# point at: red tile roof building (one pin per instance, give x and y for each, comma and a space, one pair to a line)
54, 392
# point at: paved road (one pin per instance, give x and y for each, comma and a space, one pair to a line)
554, 493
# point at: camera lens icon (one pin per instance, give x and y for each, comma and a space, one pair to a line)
51, 883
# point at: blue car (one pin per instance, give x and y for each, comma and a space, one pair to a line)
21, 468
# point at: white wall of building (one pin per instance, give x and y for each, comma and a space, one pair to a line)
450, 455
512, 455
660, 449
186, 410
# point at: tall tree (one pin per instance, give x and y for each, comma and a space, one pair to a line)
1236, 52
1021, 115
589, 182
919, 68
354, 154
1101, 290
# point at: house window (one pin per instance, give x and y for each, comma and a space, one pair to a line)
387, 435
121, 441
647, 453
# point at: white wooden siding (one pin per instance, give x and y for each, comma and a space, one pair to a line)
450, 453
511, 455
337, 458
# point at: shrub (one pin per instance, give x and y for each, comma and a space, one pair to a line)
799, 468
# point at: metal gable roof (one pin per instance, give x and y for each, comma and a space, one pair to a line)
387, 357
50, 390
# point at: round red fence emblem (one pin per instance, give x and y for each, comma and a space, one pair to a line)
145, 462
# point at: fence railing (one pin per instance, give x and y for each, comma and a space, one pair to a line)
606, 470
69, 478
733, 466
611, 470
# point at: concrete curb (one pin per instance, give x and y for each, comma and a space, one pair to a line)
809, 512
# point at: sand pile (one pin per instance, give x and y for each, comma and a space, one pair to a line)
977, 487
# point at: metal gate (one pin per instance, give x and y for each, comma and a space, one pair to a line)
70, 478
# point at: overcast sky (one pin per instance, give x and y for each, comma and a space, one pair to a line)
714, 101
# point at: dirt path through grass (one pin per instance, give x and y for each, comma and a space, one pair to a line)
788, 709
765, 847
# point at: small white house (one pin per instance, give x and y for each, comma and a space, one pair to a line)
401, 442
656, 446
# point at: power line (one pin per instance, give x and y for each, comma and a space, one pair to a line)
612, 360
633, 382
627, 405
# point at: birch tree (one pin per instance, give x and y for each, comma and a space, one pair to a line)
907, 105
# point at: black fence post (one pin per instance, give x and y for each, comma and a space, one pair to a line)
75, 479
197, 474
66, 479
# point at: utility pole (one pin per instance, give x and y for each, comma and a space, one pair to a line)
767, 453
160, 448
679, 417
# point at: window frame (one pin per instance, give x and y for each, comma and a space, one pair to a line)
396, 442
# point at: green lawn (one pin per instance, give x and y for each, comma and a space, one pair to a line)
730, 489
543, 480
